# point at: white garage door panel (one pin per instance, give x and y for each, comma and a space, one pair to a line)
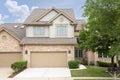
6, 59
56, 59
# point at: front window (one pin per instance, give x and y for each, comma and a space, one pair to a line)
78, 53
102, 55
39, 31
61, 31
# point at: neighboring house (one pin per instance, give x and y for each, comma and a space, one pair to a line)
47, 38
89, 57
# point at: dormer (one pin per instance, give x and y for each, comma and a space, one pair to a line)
51, 23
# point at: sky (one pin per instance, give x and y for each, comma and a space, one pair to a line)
16, 11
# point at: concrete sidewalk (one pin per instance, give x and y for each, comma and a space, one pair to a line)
65, 78
38, 79
102, 78
5, 72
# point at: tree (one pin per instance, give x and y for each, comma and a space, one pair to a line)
102, 30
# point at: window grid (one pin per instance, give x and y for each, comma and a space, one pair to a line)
61, 31
39, 31
78, 53
102, 55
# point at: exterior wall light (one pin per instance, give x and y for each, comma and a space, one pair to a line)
69, 52
26, 51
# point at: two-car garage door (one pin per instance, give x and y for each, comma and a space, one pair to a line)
6, 59
48, 59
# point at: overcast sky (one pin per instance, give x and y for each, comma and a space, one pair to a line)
18, 10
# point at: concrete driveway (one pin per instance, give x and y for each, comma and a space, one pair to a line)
45, 73
5, 72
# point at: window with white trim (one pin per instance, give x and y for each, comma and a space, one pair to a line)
61, 31
39, 31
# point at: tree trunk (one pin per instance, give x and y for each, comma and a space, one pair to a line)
112, 61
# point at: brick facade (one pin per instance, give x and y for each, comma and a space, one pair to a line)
8, 43
49, 48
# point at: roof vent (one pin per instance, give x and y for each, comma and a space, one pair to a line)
15, 26
22, 27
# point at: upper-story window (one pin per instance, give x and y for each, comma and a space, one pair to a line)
39, 31
61, 31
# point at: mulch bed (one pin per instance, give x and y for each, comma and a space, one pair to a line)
14, 74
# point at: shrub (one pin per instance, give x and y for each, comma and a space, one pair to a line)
84, 62
91, 63
119, 62
19, 66
73, 64
104, 64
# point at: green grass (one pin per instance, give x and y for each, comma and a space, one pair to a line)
91, 71
93, 79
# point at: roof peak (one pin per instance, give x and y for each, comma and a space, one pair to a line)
37, 13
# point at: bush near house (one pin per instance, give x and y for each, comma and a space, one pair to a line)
74, 64
119, 63
104, 64
19, 66
84, 62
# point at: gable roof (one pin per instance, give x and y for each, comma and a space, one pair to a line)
64, 16
33, 15
17, 32
36, 13
79, 25
47, 12
9, 32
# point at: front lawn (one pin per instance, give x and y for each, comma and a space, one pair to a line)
91, 71
93, 79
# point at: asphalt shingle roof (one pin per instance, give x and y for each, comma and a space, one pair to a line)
18, 31
79, 25
39, 12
